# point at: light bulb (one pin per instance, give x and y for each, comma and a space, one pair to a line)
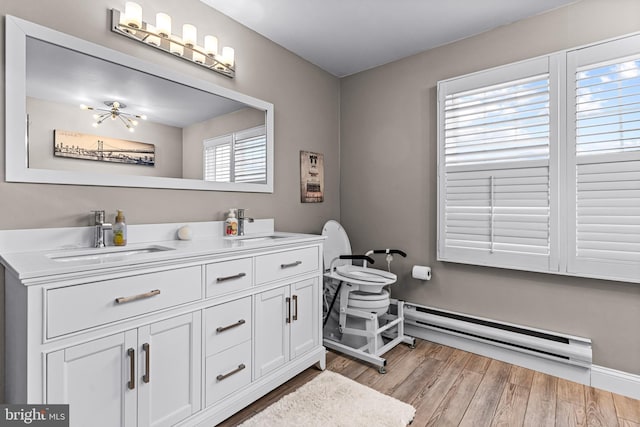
96, 116
228, 56
131, 129
95, 124
152, 39
189, 35
163, 24
134, 122
211, 46
84, 107
143, 117
176, 48
198, 57
132, 15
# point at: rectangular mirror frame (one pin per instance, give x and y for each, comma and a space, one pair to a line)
16, 144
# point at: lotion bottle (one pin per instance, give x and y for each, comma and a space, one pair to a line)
231, 224
119, 230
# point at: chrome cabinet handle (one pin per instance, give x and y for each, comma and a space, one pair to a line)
293, 264
147, 356
288, 302
235, 276
235, 371
122, 300
233, 325
295, 308
131, 384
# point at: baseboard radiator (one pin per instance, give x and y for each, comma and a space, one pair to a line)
446, 326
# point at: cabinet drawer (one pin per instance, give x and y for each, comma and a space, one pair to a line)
285, 264
78, 307
227, 325
228, 276
227, 372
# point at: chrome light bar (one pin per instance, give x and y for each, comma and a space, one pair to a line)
172, 44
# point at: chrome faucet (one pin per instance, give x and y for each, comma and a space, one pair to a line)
241, 219
100, 227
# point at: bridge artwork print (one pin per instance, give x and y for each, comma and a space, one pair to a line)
84, 146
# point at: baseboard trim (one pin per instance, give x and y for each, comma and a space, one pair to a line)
619, 382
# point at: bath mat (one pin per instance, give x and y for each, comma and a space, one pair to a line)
333, 400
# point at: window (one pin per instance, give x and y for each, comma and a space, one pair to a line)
539, 164
495, 167
604, 235
238, 157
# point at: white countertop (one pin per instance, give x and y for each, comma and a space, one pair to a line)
47, 258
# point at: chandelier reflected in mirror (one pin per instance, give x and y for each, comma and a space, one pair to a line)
114, 111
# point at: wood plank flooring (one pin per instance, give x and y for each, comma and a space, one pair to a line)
450, 387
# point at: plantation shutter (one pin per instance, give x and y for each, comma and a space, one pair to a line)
494, 168
217, 159
238, 157
605, 160
250, 156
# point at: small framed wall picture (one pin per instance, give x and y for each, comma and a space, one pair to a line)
311, 177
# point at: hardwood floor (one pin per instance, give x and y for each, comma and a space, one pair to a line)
450, 387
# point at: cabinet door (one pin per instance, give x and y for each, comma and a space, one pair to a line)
271, 326
94, 379
305, 317
169, 370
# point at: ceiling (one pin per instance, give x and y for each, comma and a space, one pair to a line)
344, 37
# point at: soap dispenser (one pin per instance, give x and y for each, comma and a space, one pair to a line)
231, 224
119, 230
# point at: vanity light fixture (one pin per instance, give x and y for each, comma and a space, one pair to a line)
130, 24
114, 112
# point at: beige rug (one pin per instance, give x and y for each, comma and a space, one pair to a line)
332, 400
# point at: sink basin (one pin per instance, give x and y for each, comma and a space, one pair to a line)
259, 239
110, 254
250, 239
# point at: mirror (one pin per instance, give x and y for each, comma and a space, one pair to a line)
139, 125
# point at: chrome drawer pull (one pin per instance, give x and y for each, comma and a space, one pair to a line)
235, 371
235, 276
121, 300
293, 264
234, 325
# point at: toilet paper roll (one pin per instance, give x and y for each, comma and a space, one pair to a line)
421, 272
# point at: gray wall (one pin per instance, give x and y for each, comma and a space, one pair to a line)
388, 185
306, 101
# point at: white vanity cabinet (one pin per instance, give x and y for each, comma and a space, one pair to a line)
93, 378
144, 377
187, 337
286, 324
287, 317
